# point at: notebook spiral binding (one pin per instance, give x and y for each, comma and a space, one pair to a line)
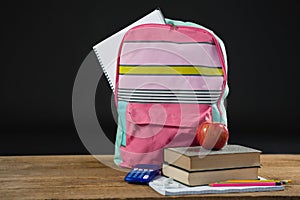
104, 70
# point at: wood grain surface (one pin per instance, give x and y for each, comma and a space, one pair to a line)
85, 177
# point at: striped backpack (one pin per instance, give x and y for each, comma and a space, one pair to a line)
170, 78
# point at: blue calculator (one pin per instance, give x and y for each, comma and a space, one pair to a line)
142, 173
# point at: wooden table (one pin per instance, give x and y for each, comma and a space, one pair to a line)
84, 177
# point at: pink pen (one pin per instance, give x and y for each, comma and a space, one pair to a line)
245, 184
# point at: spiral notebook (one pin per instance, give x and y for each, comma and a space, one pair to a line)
107, 50
176, 188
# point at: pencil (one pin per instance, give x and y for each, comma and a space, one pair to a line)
250, 181
243, 184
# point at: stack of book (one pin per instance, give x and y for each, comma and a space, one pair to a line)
197, 166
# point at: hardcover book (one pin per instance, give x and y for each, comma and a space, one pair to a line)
202, 177
197, 158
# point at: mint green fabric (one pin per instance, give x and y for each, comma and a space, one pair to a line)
216, 115
121, 131
223, 108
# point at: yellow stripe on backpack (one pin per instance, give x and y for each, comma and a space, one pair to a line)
170, 70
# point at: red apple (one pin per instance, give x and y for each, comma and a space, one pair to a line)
212, 135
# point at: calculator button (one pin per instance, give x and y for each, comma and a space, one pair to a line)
130, 175
142, 174
137, 173
146, 176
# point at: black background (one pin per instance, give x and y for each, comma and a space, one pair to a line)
43, 44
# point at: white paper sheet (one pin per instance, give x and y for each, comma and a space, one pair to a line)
160, 185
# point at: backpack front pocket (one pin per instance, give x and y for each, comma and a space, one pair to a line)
150, 127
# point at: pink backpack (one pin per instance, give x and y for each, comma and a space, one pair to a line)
170, 79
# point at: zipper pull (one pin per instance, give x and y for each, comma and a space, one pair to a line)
172, 25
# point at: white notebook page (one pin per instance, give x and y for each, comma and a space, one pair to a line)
107, 50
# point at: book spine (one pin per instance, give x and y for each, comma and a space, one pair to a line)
104, 70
